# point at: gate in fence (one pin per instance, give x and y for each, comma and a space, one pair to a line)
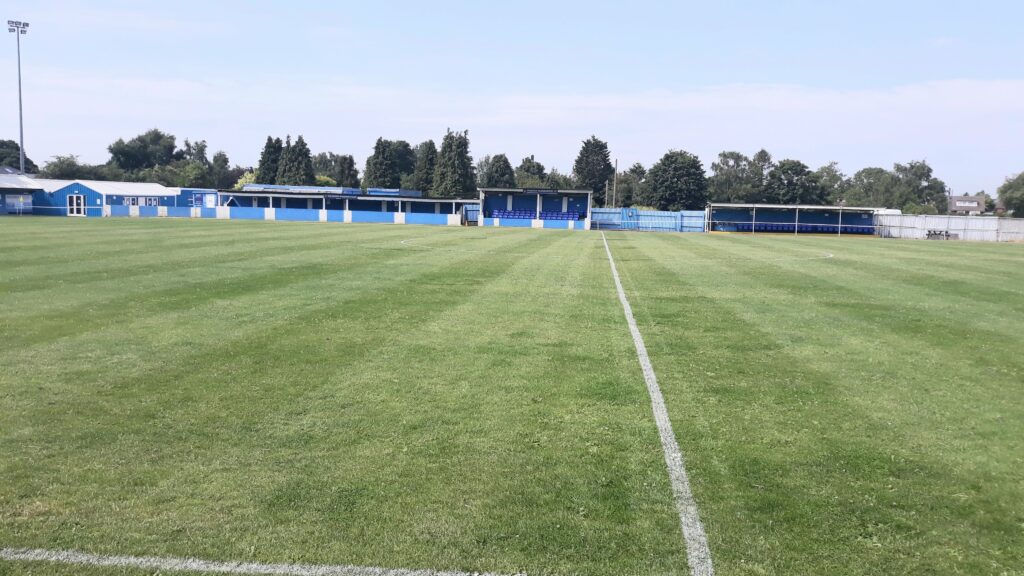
646, 220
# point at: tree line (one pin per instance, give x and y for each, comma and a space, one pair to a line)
677, 181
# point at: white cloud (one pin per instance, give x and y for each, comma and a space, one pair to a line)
969, 130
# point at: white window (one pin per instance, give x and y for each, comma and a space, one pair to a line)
131, 201
152, 201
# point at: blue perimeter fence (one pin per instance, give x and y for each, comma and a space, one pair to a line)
646, 220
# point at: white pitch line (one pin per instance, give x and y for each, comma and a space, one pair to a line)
76, 558
697, 553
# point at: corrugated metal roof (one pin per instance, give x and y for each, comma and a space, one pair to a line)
300, 189
17, 182
793, 206
535, 191
129, 188
50, 185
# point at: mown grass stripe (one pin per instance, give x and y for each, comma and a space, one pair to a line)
697, 553
74, 557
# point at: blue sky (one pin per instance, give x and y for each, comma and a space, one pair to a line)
862, 83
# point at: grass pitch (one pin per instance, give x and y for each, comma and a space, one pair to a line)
470, 399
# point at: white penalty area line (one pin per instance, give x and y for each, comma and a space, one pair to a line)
72, 557
697, 553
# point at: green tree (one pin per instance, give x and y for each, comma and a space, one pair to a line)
874, 187
733, 179
531, 174
390, 161
559, 181
593, 167
296, 166
10, 156
912, 208
283, 165
422, 177
1011, 195
379, 171
792, 182
676, 182
454, 174
918, 185
496, 172
405, 158
326, 181
194, 152
246, 178
152, 148
833, 182
341, 168
761, 164
628, 185
222, 175
270, 159
69, 168
483, 170
637, 171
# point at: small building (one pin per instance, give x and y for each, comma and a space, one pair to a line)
16, 192
535, 208
967, 205
101, 198
791, 219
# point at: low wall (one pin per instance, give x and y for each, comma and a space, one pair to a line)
535, 223
285, 214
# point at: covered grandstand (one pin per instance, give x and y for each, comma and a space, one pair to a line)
791, 219
536, 208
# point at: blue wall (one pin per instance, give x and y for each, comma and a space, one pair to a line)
297, 214
494, 202
559, 224
415, 218
56, 203
381, 217
195, 196
242, 213
524, 202
551, 204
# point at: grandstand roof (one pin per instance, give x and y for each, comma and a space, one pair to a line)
795, 206
534, 191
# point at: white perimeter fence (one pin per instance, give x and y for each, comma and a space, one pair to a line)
980, 228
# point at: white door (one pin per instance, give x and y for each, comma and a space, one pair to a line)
76, 205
